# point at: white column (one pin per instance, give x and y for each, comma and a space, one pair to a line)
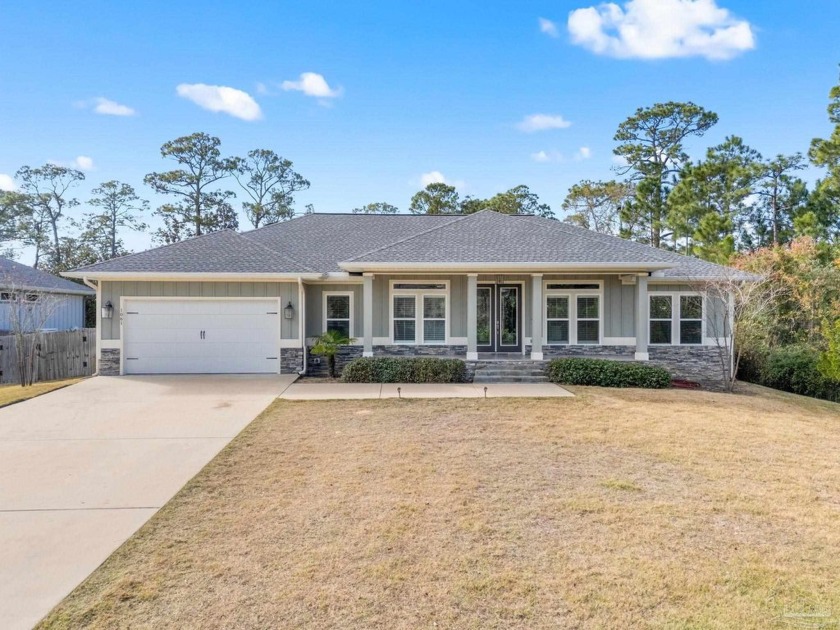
642, 319
367, 314
536, 316
472, 315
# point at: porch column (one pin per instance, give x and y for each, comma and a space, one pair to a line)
536, 316
642, 318
472, 314
367, 314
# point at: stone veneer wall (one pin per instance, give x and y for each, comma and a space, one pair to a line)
319, 366
109, 362
291, 360
700, 364
603, 352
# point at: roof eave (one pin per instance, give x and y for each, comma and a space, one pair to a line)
186, 276
500, 267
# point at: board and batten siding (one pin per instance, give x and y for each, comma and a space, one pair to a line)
315, 307
68, 313
286, 291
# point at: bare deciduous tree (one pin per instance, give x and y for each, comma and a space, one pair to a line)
747, 301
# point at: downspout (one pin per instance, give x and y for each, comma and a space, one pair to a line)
302, 323
98, 328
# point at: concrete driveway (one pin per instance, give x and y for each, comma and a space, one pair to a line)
82, 468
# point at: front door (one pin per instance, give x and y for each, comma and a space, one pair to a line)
499, 318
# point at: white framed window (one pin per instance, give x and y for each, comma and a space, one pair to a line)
419, 312
676, 318
573, 312
338, 312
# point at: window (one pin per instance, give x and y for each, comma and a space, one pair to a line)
404, 319
661, 313
338, 313
484, 317
676, 319
5, 296
691, 319
588, 319
557, 318
573, 287
573, 313
419, 312
434, 319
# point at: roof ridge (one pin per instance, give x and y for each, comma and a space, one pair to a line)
276, 253
455, 219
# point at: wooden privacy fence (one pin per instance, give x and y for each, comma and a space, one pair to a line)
58, 355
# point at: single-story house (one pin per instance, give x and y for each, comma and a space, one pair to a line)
35, 299
473, 286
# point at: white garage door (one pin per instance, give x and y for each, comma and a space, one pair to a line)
201, 336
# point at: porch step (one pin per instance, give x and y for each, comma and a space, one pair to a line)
509, 372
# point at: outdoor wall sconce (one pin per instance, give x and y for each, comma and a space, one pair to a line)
289, 311
107, 310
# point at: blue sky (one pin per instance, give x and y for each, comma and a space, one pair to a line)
411, 88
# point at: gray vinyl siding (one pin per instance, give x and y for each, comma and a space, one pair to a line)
286, 291
68, 312
315, 307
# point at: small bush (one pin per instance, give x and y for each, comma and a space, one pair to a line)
604, 373
795, 369
404, 370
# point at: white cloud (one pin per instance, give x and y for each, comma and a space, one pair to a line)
6, 182
220, 98
436, 177
548, 27
542, 122
547, 156
583, 153
619, 160
661, 29
262, 88
83, 163
107, 107
312, 84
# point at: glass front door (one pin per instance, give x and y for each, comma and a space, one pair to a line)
499, 318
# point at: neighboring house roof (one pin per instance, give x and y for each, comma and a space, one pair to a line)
224, 252
14, 275
340, 243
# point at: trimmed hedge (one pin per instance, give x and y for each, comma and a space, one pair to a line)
404, 370
792, 369
606, 373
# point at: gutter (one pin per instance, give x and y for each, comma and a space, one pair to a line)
501, 267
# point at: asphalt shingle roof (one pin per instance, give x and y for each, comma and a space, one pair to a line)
15, 275
219, 252
321, 243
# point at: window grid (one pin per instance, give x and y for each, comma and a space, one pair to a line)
676, 319
338, 313
584, 317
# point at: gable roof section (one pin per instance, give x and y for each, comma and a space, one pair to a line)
489, 238
17, 276
225, 252
322, 241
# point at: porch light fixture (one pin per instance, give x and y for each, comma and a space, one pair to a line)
289, 311
107, 310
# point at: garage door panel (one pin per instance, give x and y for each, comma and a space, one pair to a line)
165, 336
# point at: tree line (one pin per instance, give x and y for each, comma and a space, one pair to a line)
41, 214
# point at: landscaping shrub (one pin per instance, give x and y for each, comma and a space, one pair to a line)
604, 373
795, 369
404, 370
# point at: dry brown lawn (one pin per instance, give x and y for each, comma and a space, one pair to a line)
11, 394
614, 509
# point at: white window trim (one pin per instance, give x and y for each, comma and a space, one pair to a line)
324, 318
573, 294
418, 310
676, 316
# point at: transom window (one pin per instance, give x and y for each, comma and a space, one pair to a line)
676, 319
573, 313
419, 312
338, 313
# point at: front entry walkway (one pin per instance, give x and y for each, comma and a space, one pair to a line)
82, 468
362, 391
